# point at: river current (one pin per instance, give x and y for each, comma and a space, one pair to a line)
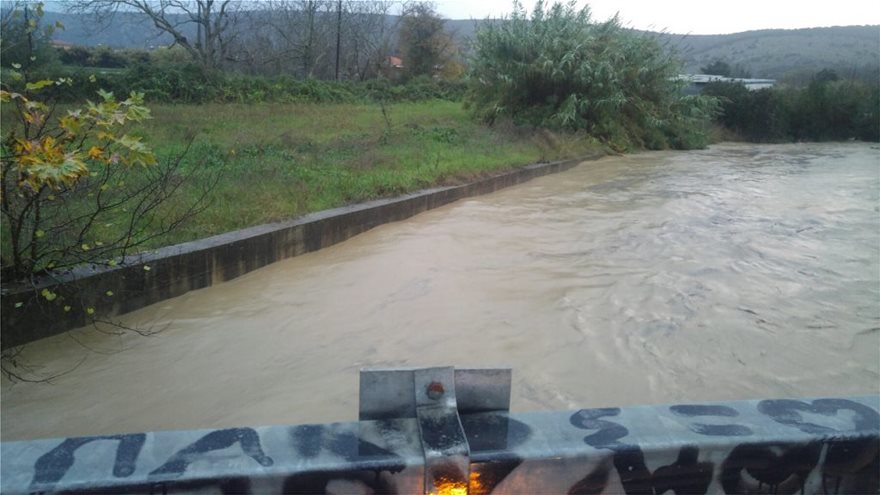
736, 272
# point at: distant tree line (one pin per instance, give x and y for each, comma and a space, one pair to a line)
291, 44
827, 109
307, 39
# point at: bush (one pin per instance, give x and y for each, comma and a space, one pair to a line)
828, 109
559, 70
189, 83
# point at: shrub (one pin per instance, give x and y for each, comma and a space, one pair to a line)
828, 109
560, 70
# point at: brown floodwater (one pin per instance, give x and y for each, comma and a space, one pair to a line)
736, 272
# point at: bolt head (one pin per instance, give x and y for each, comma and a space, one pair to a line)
435, 390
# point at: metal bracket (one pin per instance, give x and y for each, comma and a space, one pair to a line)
436, 397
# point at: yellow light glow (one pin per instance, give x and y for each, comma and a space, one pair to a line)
449, 488
476, 486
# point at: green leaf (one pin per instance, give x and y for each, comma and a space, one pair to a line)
36, 86
48, 294
39, 233
19, 304
106, 96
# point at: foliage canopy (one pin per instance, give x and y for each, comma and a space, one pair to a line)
827, 109
558, 69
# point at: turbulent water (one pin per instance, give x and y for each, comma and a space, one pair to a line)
735, 272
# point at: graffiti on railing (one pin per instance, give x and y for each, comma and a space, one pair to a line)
771, 446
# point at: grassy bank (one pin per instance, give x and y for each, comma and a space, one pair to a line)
278, 161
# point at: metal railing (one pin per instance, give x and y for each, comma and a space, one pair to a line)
445, 431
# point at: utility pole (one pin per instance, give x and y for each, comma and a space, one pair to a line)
338, 34
199, 45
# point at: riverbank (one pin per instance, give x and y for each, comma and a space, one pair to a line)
143, 279
280, 161
736, 272
261, 164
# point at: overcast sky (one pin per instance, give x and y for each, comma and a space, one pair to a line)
698, 16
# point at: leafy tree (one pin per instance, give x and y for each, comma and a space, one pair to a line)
721, 68
761, 115
827, 109
66, 182
717, 68
425, 44
76, 55
825, 75
558, 69
24, 43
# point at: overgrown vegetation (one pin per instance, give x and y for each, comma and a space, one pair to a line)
827, 109
294, 158
558, 69
189, 83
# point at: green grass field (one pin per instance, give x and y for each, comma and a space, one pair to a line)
279, 161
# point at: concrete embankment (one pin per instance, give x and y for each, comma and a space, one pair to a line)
175, 270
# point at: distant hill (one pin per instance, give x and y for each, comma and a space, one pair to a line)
778, 53
128, 30
781, 53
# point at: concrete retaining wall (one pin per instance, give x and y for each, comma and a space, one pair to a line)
176, 270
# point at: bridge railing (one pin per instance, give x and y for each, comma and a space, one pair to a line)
447, 432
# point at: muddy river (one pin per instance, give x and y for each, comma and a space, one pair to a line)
736, 272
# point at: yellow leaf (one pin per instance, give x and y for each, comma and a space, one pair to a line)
90, 311
146, 268
39, 233
85, 247
92, 78
48, 294
95, 152
66, 309
109, 293
19, 304
39, 84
